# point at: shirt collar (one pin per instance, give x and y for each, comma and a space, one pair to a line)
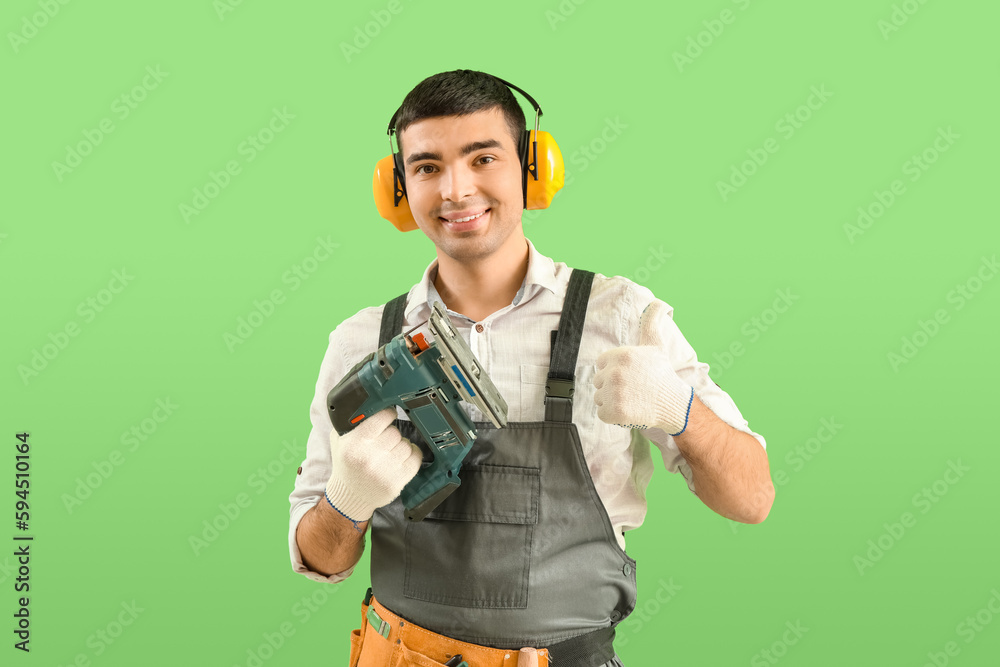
541, 274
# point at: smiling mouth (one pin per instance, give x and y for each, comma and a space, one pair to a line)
468, 219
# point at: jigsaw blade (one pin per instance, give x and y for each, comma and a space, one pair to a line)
460, 366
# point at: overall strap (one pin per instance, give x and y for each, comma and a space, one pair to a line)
392, 319
562, 367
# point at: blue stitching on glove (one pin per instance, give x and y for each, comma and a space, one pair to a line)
356, 526
686, 415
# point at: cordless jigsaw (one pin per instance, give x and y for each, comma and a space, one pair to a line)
428, 380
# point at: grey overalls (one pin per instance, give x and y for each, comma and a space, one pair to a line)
523, 552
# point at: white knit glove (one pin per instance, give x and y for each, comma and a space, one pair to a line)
637, 387
371, 465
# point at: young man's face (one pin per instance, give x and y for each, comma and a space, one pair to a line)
458, 167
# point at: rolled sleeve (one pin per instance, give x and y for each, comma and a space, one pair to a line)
293, 549
310, 484
685, 363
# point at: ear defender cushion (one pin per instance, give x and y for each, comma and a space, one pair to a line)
385, 190
550, 169
390, 194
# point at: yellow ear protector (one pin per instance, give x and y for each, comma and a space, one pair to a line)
539, 154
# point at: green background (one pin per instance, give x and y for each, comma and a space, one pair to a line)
682, 128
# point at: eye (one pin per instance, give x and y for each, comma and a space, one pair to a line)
418, 169
488, 157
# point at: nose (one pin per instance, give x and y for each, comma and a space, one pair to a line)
457, 183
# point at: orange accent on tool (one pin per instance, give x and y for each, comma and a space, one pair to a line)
421, 343
357, 419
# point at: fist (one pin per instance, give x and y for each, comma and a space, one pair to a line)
370, 466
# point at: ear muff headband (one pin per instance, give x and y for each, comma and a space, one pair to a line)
538, 152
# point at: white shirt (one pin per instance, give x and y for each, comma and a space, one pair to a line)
512, 346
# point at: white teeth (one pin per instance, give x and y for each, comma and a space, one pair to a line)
471, 217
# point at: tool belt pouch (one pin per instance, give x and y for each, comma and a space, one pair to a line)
358, 637
385, 640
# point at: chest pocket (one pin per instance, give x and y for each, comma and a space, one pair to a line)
474, 549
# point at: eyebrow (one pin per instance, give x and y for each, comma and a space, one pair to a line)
466, 149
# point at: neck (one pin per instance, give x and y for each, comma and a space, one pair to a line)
478, 289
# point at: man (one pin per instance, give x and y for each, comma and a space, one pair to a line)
530, 551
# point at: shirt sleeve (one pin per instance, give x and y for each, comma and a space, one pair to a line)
685, 363
310, 484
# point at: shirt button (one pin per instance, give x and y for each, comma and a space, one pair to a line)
627, 570
616, 616
479, 328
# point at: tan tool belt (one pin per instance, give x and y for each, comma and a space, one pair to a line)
386, 640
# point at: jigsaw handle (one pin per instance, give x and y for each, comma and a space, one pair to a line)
395, 376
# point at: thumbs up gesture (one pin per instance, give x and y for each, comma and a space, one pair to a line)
636, 386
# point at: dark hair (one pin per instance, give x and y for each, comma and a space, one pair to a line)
458, 93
